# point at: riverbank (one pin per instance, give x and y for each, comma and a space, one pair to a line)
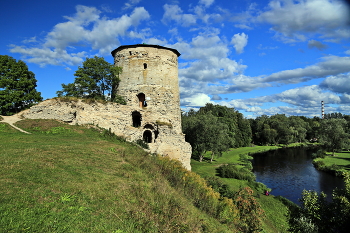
335, 165
275, 210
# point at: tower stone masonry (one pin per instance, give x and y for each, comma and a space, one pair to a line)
149, 83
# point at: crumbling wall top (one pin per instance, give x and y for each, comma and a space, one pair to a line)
143, 45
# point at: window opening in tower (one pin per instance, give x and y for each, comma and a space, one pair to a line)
136, 119
142, 100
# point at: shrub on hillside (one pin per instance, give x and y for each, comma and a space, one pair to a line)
232, 171
142, 143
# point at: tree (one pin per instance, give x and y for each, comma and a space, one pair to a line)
96, 79
205, 133
315, 214
332, 133
17, 86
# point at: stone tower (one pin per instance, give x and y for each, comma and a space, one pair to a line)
149, 83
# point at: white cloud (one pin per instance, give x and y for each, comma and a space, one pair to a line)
239, 41
303, 101
208, 59
206, 3
197, 100
331, 65
86, 27
131, 3
292, 18
174, 13
339, 83
308, 96
46, 56
30, 40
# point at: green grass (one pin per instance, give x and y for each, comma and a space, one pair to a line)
64, 178
342, 159
340, 162
275, 210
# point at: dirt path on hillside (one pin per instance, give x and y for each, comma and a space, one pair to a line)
13, 119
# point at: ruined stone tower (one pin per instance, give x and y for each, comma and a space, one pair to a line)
149, 83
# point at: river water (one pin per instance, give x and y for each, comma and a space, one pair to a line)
289, 171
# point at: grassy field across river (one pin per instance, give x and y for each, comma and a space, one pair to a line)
334, 164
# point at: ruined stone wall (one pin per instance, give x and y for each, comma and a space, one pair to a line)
149, 75
118, 118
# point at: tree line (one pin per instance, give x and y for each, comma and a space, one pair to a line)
217, 128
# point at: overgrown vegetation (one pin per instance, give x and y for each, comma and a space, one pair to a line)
142, 143
233, 171
65, 178
318, 215
273, 218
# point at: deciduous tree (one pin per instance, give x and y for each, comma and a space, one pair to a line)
17, 86
332, 133
96, 79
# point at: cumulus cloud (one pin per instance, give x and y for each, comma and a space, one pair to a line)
174, 13
308, 96
47, 56
85, 27
338, 84
239, 41
303, 101
197, 100
209, 60
292, 18
316, 44
331, 65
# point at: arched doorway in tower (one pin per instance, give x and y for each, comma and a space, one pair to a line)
142, 100
147, 136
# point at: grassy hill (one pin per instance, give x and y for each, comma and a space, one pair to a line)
64, 178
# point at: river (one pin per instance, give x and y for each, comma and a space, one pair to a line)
289, 171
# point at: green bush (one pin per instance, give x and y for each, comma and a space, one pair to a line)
319, 154
232, 171
107, 134
219, 186
318, 164
258, 186
120, 100
142, 143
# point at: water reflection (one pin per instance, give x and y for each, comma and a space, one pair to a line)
289, 171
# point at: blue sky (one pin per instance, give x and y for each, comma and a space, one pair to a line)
260, 57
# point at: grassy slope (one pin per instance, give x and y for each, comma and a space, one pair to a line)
276, 212
68, 179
